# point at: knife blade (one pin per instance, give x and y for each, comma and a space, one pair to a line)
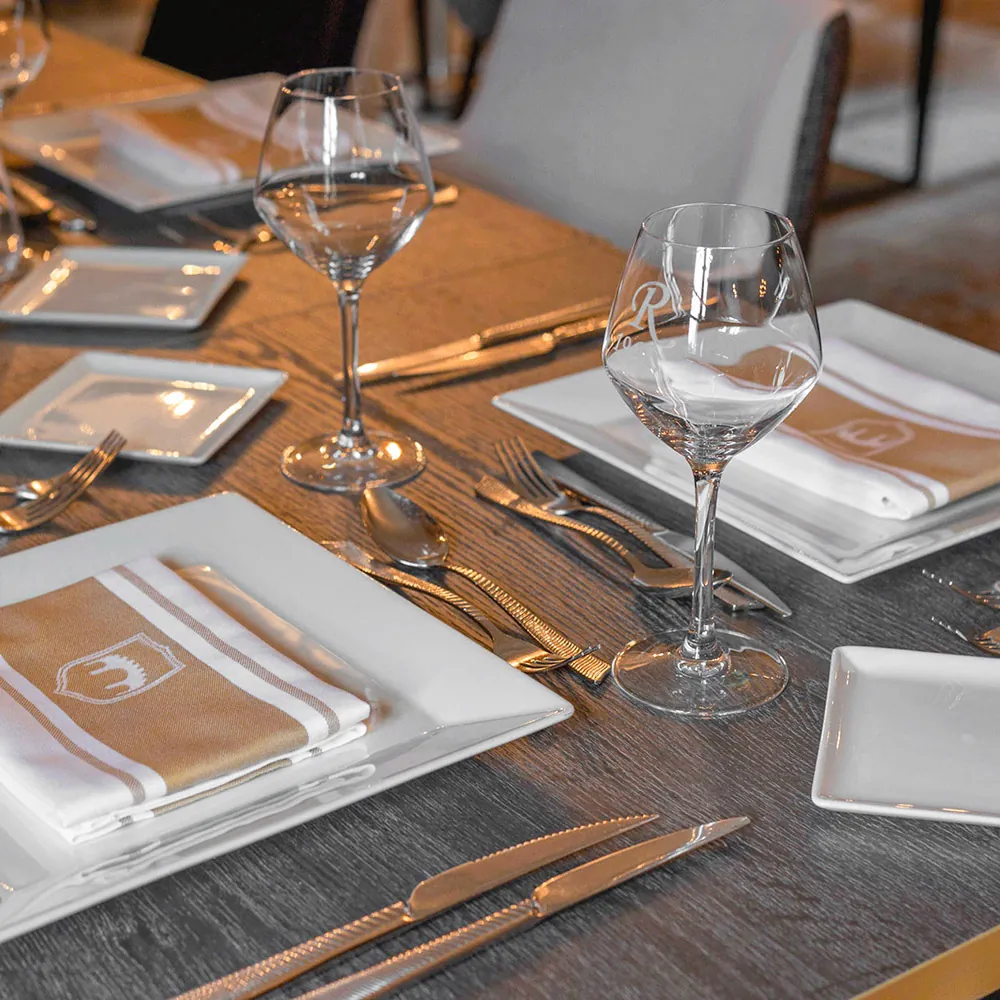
398, 367
509, 353
742, 580
556, 894
432, 896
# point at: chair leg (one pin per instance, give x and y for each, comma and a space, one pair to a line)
468, 82
930, 22
420, 16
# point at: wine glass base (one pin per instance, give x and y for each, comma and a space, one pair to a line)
647, 670
321, 464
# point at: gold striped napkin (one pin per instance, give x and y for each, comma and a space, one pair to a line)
131, 693
881, 438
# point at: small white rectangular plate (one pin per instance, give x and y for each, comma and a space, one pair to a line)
911, 734
169, 411
437, 697
164, 289
845, 544
69, 143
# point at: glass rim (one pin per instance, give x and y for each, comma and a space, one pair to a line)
789, 233
392, 82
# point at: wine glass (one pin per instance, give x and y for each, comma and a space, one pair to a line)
24, 45
344, 182
712, 341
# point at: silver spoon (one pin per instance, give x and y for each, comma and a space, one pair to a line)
412, 537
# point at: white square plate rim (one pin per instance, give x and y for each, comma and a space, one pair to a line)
979, 513
23, 136
227, 519
230, 266
266, 380
825, 757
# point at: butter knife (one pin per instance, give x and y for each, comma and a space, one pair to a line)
559, 893
399, 366
432, 896
681, 544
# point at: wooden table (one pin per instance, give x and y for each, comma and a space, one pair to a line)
805, 903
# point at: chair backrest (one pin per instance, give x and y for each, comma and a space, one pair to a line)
599, 113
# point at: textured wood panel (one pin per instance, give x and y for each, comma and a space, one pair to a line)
805, 903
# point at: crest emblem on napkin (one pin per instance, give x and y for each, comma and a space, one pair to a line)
869, 436
121, 671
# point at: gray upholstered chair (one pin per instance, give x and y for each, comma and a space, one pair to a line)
598, 113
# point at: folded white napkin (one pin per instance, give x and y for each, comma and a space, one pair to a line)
130, 693
212, 139
882, 439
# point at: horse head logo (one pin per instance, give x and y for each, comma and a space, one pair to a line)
121, 671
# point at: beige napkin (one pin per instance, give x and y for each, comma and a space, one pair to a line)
883, 439
182, 145
130, 693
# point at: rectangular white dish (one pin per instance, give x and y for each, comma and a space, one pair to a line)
437, 697
135, 287
179, 412
911, 734
845, 544
69, 143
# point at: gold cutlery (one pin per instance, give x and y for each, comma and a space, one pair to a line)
502, 355
558, 893
678, 582
411, 537
988, 598
34, 488
398, 367
517, 650
35, 513
432, 896
986, 642
752, 592
538, 487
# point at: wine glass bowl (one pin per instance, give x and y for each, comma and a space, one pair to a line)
712, 341
344, 182
24, 45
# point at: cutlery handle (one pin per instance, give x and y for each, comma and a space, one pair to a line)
589, 666
272, 972
646, 576
394, 973
545, 321
398, 578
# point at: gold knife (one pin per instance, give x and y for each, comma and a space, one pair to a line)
505, 354
550, 897
432, 896
399, 367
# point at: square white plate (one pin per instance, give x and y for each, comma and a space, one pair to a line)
122, 286
69, 143
437, 697
169, 411
911, 734
844, 543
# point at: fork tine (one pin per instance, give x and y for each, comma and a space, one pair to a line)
34, 513
529, 471
528, 460
514, 472
509, 468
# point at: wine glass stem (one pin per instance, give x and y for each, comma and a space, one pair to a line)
352, 432
700, 646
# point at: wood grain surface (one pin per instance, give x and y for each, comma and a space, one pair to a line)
804, 903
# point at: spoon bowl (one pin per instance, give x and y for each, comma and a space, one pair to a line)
403, 529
